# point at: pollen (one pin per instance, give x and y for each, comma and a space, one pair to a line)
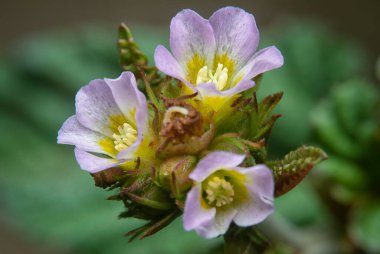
219, 77
126, 137
219, 192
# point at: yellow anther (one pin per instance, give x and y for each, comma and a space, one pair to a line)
219, 77
126, 137
219, 192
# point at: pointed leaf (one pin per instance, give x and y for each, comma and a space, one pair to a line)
152, 227
289, 171
261, 121
267, 105
245, 240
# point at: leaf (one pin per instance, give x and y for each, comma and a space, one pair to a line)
329, 131
365, 227
290, 171
346, 173
260, 123
153, 226
304, 84
245, 241
267, 105
346, 122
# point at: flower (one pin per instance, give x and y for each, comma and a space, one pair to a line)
216, 57
110, 126
223, 193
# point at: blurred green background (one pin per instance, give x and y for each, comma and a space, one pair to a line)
49, 49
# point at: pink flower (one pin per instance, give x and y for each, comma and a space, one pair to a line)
224, 193
216, 57
110, 124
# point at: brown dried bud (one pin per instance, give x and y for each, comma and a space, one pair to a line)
107, 177
180, 120
184, 129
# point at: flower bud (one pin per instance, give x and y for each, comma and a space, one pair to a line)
107, 178
173, 174
184, 129
144, 191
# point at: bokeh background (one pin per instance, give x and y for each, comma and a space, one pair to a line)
49, 49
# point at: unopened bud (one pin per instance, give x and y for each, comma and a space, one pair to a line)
108, 177
173, 174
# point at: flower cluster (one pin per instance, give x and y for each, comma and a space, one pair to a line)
187, 136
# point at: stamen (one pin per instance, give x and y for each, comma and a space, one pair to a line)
126, 137
219, 192
219, 78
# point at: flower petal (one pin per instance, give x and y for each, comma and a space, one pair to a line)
96, 108
210, 90
166, 63
129, 99
190, 35
219, 225
236, 34
93, 163
214, 161
133, 104
264, 60
259, 206
194, 214
73, 133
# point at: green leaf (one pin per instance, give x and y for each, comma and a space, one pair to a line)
365, 227
244, 240
346, 122
357, 114
229, 142
261, 122
345, 172
315, 59
289, 171
267, 105
329, 131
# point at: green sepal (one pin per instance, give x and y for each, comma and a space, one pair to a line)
231, 142
290, 171
153, 226
145, 200
173, 175
144, 191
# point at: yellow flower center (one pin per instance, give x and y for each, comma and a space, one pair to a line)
219, 192
126, 137
219, 77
